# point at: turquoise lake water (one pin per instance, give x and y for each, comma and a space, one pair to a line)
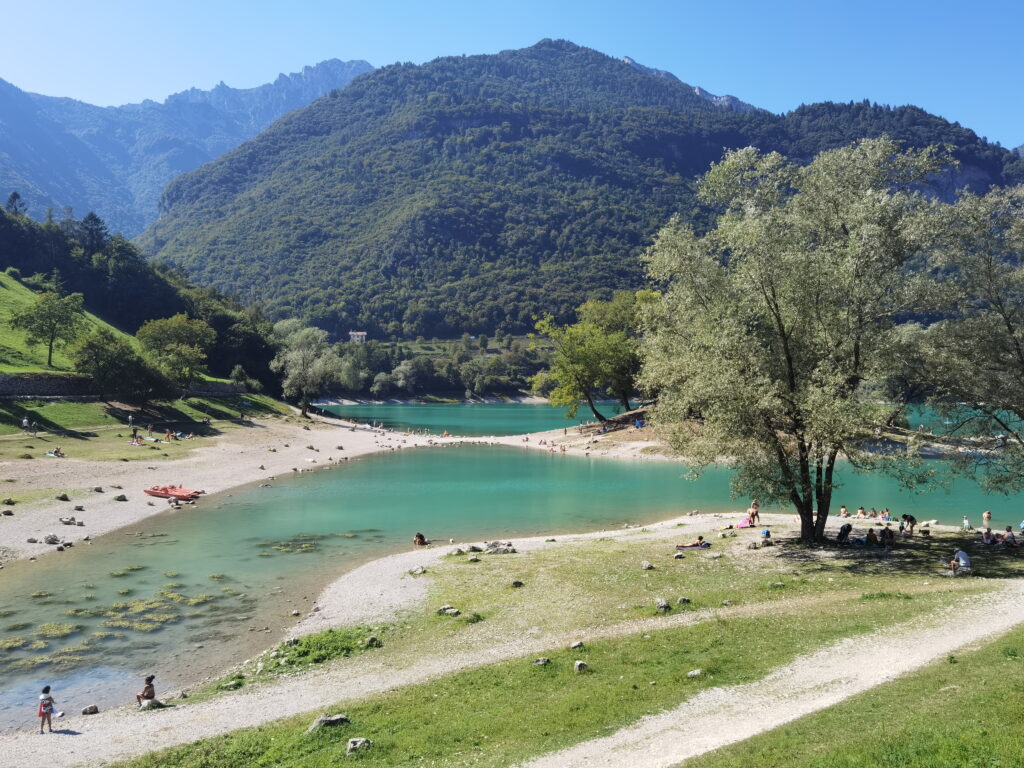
185, 594
469, 419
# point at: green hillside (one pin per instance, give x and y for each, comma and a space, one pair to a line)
15, 355
125, 290
472, 193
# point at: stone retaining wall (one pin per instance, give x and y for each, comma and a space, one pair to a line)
45, 385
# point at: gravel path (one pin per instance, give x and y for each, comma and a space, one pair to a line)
720, 716
124, 733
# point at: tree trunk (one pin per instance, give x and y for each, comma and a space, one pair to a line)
49, 351
624, 399
806, 523
590, 402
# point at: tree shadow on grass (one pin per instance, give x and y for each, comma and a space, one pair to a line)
13, 412
912, 556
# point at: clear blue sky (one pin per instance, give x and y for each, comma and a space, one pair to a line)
964, 61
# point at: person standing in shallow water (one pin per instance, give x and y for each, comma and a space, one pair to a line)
46, 707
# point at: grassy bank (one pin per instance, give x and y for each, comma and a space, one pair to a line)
99, 430
963, 711
478, 717
796, 601
15, 355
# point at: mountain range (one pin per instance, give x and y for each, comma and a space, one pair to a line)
475, 192
116, 161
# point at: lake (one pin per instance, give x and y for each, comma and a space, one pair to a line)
187, 593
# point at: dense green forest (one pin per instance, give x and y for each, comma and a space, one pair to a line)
119, 286
476, 193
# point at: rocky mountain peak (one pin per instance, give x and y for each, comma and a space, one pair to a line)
728, 103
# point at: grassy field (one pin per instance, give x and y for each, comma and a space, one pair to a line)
477, 717
98, 430
15, 355
965, 711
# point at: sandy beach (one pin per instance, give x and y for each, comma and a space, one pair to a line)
256, 452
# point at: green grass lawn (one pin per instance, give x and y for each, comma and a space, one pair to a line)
15, 355
963, 712
99, 430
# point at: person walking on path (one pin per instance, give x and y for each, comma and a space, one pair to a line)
131, 420
24, 424
46, 707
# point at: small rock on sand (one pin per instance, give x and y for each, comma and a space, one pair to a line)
543, 661
646, 566
578, 645
695, 673
579, 666
92, 709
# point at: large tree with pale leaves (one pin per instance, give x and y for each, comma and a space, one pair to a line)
306, 361
973, 359
777, 328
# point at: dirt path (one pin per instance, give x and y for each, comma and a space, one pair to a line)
120, 734
721, 716
810, 683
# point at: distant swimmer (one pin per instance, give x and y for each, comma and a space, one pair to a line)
420, 540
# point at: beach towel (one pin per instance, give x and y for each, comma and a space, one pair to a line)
705, 545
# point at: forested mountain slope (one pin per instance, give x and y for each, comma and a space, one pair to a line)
123, 289
116, 161
472, 193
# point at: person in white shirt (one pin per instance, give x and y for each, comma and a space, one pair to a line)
960, 560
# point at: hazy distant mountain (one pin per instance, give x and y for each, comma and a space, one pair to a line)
474, 192
116, 161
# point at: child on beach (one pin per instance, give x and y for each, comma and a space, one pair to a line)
46, 709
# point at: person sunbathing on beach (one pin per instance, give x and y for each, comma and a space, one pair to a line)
698, 544
987, 538
1007, 539
58, 453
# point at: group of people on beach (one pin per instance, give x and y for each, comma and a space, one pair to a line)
862, 514
47, 708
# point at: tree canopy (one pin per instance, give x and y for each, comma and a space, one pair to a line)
779, 326
177, 346
305, 360
52, 320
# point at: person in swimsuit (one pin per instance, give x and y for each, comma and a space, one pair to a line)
148, 691
420, 540
46, 707
754, 513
